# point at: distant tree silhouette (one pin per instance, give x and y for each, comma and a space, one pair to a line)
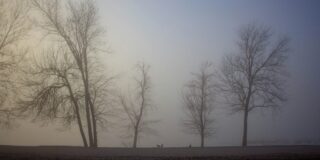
69, 73
198, 98
254, 77
136, 107
13, 28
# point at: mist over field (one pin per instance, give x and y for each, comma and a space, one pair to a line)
173, 39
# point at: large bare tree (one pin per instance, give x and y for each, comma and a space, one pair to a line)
254, 77
198, 98
53, 91
74, 25
137, 107
13, 28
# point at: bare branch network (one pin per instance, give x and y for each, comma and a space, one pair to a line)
66, 83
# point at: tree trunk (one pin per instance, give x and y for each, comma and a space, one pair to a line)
93, 130
135, 138
84, 139
88, 115
94, 124
85, 143
136, 132
245, 118
84, 76
245, 128
89, 122
202, 140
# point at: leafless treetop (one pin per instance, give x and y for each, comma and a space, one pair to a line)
256, 71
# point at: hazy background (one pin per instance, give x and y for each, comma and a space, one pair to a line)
174, 37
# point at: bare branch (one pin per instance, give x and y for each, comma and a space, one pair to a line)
13, 28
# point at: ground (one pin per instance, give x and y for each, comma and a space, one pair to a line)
70, 153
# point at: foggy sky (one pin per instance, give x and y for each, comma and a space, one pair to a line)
174, 38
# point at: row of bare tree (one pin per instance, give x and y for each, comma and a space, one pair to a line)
253, 77
66, 83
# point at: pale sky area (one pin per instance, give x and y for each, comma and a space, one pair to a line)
174, 37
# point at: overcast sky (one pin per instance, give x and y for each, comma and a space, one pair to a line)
174, 37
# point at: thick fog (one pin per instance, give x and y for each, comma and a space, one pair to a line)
174, 38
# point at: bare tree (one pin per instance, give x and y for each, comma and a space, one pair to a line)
75, 25
13, 27
198, 98
254, 77
136, 108
53, 91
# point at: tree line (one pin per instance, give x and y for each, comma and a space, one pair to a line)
66, 82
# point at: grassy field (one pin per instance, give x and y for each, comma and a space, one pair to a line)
224, 153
